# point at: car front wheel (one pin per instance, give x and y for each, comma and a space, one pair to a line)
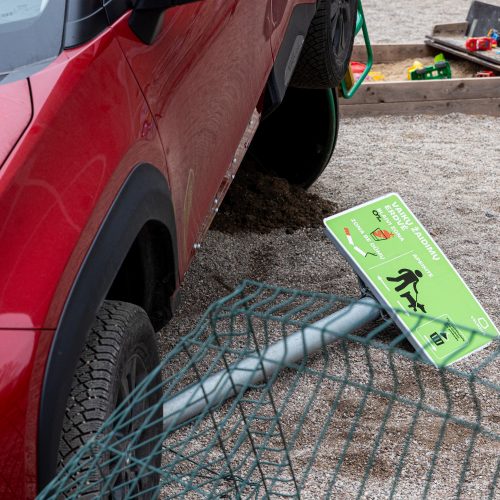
120, 353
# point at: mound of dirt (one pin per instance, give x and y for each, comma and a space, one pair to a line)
258, 202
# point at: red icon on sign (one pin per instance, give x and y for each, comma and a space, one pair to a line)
381, 234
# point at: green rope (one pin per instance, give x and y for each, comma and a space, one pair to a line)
349, 402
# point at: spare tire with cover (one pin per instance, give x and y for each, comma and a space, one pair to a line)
328, 46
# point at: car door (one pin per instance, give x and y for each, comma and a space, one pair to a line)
202, 77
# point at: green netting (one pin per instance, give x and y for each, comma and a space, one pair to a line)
361, 418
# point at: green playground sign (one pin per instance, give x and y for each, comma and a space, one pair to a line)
408, 273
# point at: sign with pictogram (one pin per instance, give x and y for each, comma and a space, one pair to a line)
411, 277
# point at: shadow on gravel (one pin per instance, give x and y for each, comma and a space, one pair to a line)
259, 203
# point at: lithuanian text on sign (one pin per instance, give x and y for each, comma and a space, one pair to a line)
409, 274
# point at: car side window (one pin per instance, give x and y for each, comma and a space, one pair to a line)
31, 33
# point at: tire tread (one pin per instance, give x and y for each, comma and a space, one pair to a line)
88, 403
318, 68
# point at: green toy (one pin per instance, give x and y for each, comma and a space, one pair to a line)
440, 71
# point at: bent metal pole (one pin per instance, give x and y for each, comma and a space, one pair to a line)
256, 367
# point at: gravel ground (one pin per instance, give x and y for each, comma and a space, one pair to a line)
446, 169
410, 20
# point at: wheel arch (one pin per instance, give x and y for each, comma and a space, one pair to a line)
147, 275
141, 212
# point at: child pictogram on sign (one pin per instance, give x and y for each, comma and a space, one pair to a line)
406, 278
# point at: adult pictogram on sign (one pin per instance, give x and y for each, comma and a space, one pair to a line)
407, 278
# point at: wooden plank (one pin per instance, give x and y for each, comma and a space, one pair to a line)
465, 95
451, 29
431, 90
387, 53
463, 54
485, 106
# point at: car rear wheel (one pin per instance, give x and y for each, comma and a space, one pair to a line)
120, 352
328, 45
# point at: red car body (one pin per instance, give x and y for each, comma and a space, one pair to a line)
72, 136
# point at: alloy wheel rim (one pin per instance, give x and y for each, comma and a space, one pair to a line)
129, 450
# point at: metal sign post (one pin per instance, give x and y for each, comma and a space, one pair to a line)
261, 365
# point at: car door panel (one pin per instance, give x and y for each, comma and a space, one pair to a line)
202, 78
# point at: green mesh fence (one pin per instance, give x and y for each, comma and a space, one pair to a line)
361, 418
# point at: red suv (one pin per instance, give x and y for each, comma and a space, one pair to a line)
122, 125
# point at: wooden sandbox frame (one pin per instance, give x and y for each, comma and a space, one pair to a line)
460, 95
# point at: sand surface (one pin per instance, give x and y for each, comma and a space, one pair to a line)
446, 168
397, 71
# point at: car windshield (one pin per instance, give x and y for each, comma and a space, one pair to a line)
31, 33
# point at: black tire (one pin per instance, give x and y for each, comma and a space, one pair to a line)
328, 45
120, 351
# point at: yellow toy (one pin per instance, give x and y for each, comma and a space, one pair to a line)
416, 65
376, 76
